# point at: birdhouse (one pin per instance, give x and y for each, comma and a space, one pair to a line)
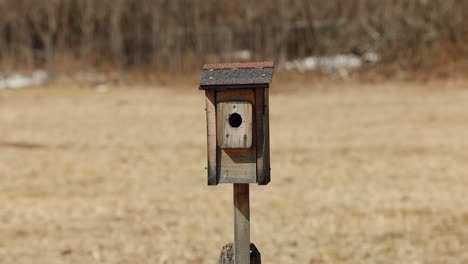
237, 121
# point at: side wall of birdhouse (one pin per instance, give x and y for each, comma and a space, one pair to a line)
263, 136
210, 109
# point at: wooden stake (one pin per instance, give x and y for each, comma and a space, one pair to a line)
241, 224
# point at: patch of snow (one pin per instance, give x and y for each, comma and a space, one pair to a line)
17, 81
239, 55
371, 57
335, 63
327, 63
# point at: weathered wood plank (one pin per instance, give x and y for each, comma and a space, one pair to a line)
236, 95
262, 130
234, 124
237, 165
241, 224
259, 126
211, 135
266, 125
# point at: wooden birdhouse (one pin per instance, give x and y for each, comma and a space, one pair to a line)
237, 121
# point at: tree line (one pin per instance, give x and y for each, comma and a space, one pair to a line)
180, 35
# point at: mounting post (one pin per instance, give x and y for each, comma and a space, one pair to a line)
241, 224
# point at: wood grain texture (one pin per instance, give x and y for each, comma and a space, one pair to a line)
259, 127
236, 95
211, 135
241, 224
262, 136
266, 140
230, 136
237, 165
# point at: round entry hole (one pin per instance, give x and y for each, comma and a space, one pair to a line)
235, 120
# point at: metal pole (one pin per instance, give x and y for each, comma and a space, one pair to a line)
241, 224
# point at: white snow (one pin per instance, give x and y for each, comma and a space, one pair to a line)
238, 55
371, 57
17, 81
331, 63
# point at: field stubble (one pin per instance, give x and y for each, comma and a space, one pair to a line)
360, 174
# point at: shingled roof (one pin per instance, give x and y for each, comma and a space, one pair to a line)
236, 75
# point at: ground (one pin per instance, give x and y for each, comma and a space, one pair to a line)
374, 173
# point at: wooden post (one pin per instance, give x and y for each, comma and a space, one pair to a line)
241, 251
241, 224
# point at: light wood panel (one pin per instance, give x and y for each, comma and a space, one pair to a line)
230, 135
237, 165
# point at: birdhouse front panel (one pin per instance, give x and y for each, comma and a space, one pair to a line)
234, 124
236, 145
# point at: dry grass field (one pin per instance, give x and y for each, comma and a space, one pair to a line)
374, 173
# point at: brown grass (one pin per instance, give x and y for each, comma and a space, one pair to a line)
360, 174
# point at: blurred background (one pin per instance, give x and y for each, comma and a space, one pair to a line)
103, 134
179, 36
